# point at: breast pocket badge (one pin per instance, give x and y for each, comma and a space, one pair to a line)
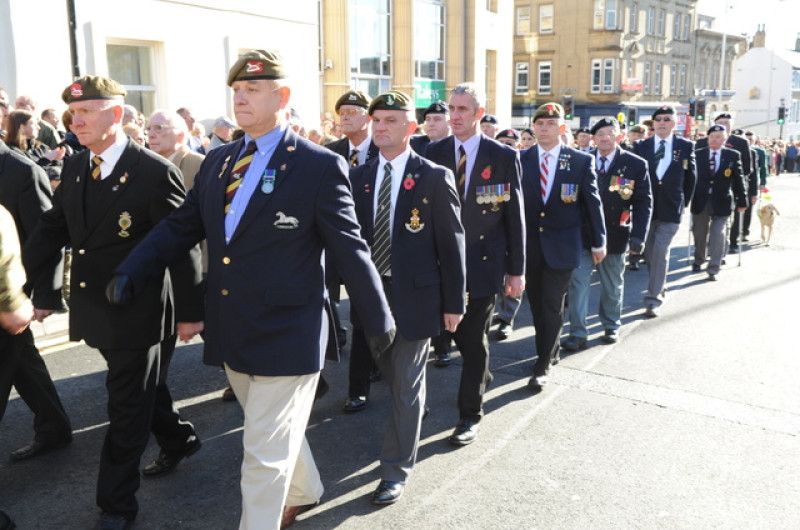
125, 222
414, 225
285, 222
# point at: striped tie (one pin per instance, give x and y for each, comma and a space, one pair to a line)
661, 151
96, 161
238, 173
713, 162
461, 171
382, 244
603, 161
544, 173
354, 158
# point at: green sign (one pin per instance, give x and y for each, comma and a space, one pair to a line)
428, 91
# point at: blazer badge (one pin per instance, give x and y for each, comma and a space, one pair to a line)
569, 193
563, 160
493, 194
727, 172
125, 223
622, 186
413, 225
285, 222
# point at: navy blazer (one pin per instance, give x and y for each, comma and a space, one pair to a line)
720, 187
495, 232
428, 265
267, 306
342, 147
554, 228
627, 215
673, 192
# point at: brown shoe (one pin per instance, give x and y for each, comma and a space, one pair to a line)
228, 395
290, 513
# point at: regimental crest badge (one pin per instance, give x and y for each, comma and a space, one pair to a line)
254, 67
414, 225
125, 222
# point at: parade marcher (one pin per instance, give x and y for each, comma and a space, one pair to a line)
510, 137
762, 163
268, 205
436, 127
560, 190
111, 195
583, 140
624, 185
489, 126
488, 179
409, 210
719, 183
673, 175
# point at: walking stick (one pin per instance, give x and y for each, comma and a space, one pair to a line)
739, 239
689, 241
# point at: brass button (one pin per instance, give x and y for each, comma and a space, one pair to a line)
485, 258
541, 214
82, 284
482, 236
224, 292
484, 212
226, 260
541, 229
81, 252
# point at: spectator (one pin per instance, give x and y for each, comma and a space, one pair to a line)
527, 139
221, 132
130, 115
791, 157
135, 133
23, 130
193, 140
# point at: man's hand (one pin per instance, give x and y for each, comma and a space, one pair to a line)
753, 199
380, 344
637, 246
515, 285
119, 290
187, 330
451, 321
16, 321
741, 210
598, 256
40, 314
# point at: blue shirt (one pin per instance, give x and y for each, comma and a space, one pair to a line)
251, 181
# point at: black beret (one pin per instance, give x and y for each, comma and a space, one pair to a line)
604, 122
717, 128
437, 107
548, 110
352, 97
507, 133
392, 100
664, 109
723, 116
585, 130
488, 118
257, 64
738, 132
93, 87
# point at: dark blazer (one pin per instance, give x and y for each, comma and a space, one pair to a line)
142, 189
734, 142
725, 184
495, 233
342, 147
267, 306
626, 215
554, 228
419, 143
673, 192
25, 192
428, 261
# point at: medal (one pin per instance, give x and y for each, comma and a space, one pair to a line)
268, 181
224, 167
125, 223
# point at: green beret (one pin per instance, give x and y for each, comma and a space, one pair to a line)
257, 64
548, 110
352, 97
93, 87
391, 100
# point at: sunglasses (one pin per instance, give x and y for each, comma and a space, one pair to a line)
350, 112
662, 119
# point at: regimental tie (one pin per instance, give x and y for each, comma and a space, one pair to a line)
544, 173
461, 171
603, 161
661, 150
96, 161
238, 172
382, 241
354, 158
712, 164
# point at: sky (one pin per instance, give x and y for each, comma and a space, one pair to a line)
782, 18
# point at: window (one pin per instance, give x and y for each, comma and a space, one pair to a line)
521, 83
657, 83
491, 6
673, 80
429, 39
634, 22
523, 20
545, 69
608, 76
647, 77
683, 80
676, 27
546, 18
631, 68
605, 14
132, 65
596, 67
651, 20
795, 80
370, 52
662, 21
611, 14
687, 26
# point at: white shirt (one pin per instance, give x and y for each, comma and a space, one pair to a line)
363, 149
398, 166
664, 163
471, 146
110, 156
552, 164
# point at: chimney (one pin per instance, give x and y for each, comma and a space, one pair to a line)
760, 38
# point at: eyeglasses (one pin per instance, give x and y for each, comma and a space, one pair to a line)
351, 112
158, 129
664, 118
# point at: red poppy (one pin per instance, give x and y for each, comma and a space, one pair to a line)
486, 174
409, 183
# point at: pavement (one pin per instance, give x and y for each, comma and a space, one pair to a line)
691, 421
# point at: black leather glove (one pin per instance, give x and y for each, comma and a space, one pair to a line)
119, 290
637, 245
380, 344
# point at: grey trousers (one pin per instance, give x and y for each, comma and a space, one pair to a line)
656, 252
708, 231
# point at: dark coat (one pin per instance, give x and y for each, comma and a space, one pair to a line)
673, 192
720, 187
342, 147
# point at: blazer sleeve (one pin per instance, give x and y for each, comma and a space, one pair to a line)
592, 206
450, 243
738, 183
642, 204
514, 217
689, 176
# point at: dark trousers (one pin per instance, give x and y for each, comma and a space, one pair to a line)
546, 290
361, 364
171, 432
131, 384
22, 366
747, 216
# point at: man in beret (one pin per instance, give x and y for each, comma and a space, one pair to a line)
510, 137
268, 205
583, 140
488, 182
673, 175
356, 146
560, 189
719, 183
761, 157
489, 125
111, 195
435, 124
624, 185
409, 213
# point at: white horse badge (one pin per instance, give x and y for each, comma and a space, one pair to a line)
285, 222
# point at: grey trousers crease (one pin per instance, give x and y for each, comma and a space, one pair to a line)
708, 231
657, 255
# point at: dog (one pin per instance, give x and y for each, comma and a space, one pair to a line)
767, 215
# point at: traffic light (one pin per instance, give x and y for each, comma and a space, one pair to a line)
692, 107
631, 117
700, 111
567, 104
781, 115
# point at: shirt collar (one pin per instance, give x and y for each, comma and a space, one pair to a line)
267, 142
363, 146
113, 152
554, 152
470, 143
398, 163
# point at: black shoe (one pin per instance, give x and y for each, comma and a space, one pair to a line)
166, 462
110, 521
695, 267
442, 359
733, 249
36, 448
355, 404
464, 433
375, 376
425, 413
556, 359
633, 266
5, 521
387, 492
504, 331
574, 343
611, 336
228, 395
341, 338
536, 383
712, 277
651, 311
